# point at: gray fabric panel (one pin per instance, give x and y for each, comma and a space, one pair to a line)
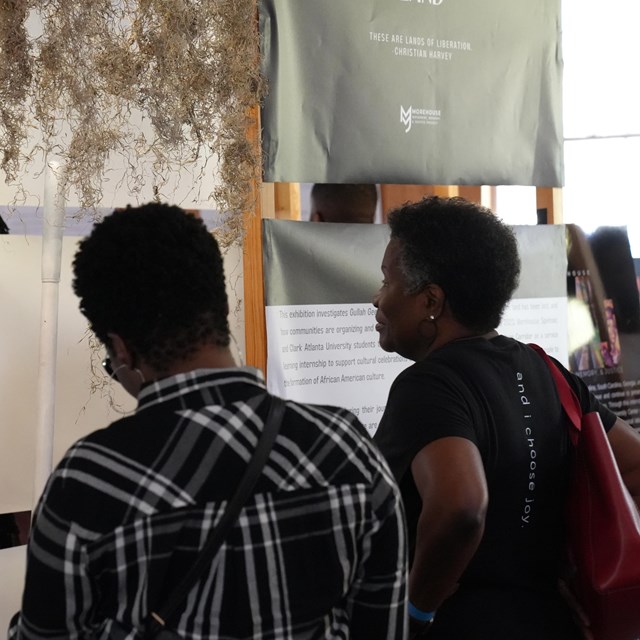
322, 263
345, 106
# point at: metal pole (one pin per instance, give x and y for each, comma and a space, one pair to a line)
53, 226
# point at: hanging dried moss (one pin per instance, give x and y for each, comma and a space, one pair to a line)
189, 67
15, 80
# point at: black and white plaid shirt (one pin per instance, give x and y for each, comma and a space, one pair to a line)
318, 552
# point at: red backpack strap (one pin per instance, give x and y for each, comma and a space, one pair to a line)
568, 398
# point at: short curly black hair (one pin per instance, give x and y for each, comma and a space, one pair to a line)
465, 249
153, 275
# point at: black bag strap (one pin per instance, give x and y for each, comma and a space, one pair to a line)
157, 619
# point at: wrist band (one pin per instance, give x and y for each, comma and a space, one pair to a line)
420, 616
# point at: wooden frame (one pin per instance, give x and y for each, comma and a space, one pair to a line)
282, 200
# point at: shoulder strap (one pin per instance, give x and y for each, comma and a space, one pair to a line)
568, 398
234, 507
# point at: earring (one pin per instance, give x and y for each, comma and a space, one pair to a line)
142, 380
432, 318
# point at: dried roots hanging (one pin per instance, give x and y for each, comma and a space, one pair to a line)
188, 67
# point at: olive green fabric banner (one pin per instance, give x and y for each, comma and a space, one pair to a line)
412, 91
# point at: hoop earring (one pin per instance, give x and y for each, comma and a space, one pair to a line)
118, 409
115, 371
142, 380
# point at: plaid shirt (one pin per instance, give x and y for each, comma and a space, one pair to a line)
318, 551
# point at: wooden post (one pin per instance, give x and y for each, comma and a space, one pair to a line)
255, 330
488, 197
287, 200
253, 274
550, 198
473, 194
395, 195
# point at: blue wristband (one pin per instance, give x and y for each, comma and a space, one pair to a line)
420, 616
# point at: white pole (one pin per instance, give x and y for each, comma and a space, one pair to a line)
53, 226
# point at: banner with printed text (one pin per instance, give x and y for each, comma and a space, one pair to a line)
412, 91
320, 279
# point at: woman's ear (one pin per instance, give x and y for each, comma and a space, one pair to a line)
121, 351
434, 299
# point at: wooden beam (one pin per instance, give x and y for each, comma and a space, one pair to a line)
550, 198
287, 200
445, 190
255, 330
395, 195
253, 275
473, 194
488, 197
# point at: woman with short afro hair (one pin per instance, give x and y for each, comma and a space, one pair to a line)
137, 288
318, 548
474, 432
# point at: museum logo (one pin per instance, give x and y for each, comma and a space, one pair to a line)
410, 116
405, 118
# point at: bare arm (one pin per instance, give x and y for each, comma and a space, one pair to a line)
450, 479
625, 442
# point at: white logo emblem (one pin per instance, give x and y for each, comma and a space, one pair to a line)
405, 117
419, 116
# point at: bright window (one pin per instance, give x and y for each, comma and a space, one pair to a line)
601, 52
601, 96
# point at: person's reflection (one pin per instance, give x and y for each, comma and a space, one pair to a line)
343, 203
